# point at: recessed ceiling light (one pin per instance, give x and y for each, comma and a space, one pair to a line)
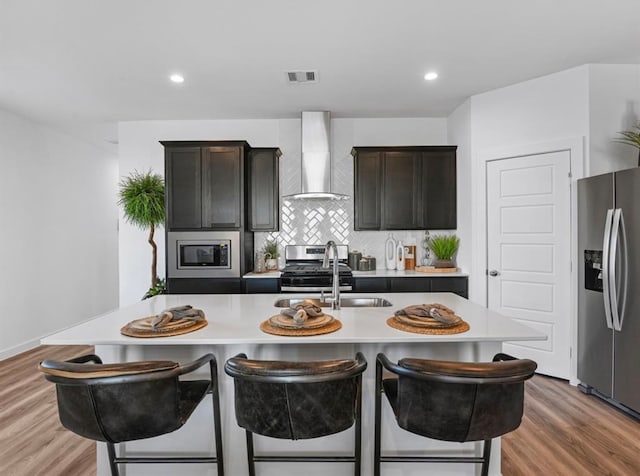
177, 78
431, 76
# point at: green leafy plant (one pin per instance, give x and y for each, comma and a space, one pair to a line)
159, 288
142, 201
632, 138
271, 247
444, 246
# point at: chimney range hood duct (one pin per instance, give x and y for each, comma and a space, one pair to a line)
316, 158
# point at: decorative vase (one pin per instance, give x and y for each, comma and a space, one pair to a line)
272, 264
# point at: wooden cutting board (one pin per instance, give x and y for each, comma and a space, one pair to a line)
433, 269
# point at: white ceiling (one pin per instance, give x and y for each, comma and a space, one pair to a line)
91, 63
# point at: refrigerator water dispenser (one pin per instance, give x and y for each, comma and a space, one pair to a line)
593, 270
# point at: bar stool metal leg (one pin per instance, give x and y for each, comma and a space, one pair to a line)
250, 454
358, 430
378, 420
486, 456
111, 451
217, 424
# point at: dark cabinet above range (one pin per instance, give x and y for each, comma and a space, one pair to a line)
405, 188
264, 191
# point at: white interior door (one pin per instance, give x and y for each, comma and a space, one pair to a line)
529, 254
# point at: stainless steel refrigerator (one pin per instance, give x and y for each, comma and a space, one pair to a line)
609, 287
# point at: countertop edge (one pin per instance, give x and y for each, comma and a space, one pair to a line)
378, 273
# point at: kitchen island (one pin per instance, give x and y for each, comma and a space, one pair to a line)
233, 327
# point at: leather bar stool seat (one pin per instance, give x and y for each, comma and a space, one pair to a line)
451, 401
116, 403
298, 400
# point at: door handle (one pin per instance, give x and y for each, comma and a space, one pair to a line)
617, 304
606, 268
494, 272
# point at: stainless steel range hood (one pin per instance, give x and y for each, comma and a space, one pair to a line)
316, 158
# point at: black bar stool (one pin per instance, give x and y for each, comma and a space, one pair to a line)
452, 401
117, 403
298, 400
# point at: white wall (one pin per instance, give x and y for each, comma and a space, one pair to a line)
459, 133
58, 238
140, 149
614, 106
543, 109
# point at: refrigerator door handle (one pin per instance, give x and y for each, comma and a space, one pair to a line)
617, 290
606, 268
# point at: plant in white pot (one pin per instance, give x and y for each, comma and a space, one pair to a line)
444, 248
270, 250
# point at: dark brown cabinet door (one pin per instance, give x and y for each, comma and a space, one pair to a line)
183, 185
439, 190
368, 190
205, 184
222, 187
459, 286
402, 190
264, 191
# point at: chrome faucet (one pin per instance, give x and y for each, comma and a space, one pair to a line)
335, 281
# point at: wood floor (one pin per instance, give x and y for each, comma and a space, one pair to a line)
32, 440
563, 432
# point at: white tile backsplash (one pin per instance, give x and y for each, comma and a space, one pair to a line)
316, 222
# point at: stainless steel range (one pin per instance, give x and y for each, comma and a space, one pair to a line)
303, 271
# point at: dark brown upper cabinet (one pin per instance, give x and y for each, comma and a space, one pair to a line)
205, 184
367, 190
405, 188
439, 189
264, 190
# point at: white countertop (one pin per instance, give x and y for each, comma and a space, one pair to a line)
378, 273
269, 274
235, 319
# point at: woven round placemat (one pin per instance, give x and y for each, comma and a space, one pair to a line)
457, 329
142, 328
333, 326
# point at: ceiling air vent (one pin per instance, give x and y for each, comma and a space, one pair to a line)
302, 76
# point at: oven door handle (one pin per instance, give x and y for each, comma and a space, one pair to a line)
312, 289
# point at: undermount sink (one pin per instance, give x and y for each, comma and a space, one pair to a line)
344, 302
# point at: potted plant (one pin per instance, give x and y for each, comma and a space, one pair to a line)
632, 138
142, 200
444, 247
270, 250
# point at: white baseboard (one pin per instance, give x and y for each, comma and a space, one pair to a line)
11, 351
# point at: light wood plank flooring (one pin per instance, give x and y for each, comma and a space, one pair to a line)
32, 440
563, 433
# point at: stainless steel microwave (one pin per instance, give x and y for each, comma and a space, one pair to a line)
203, 254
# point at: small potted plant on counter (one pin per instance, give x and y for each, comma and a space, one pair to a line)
270, 250
444, 248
